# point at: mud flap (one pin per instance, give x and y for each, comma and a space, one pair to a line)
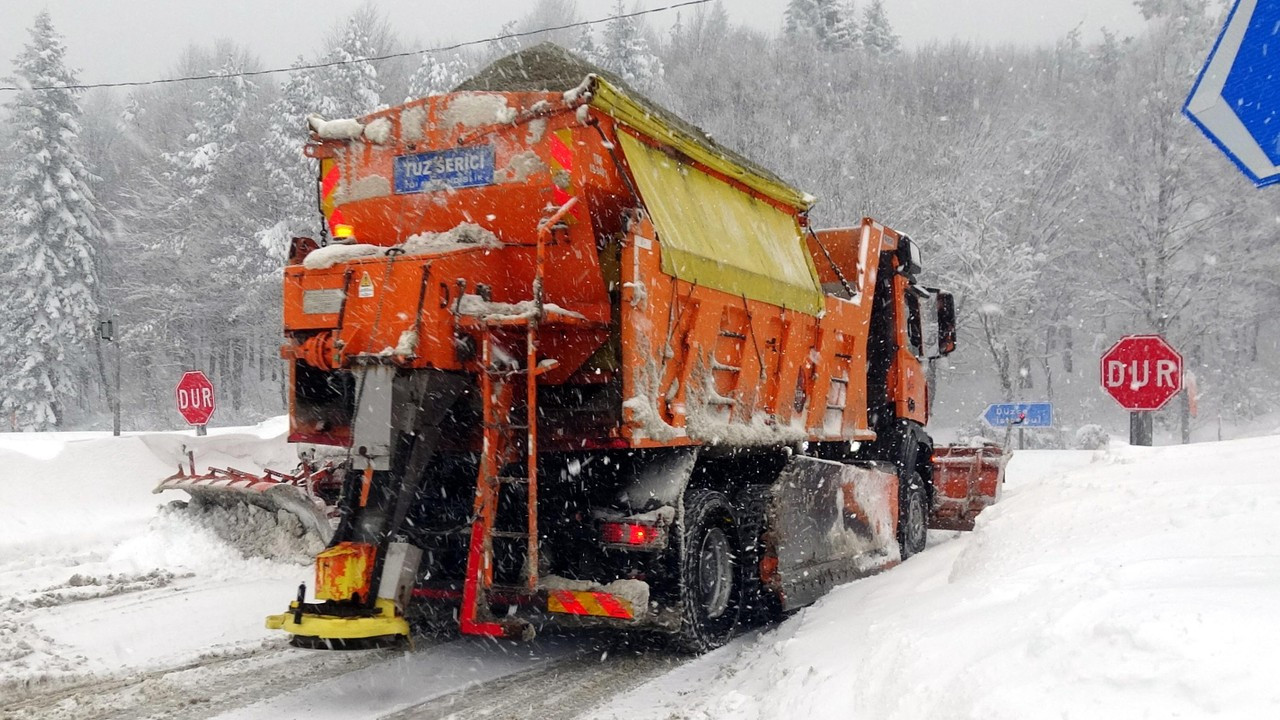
829, 523
966, 480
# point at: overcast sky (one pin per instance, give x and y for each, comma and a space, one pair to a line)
116, 40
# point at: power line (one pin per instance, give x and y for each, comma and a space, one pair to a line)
379, 58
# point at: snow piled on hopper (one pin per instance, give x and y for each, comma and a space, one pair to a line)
465, 235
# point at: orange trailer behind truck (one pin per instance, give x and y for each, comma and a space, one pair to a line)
583, 364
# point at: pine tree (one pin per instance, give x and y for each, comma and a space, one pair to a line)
214, 142
585, 47
625, 51
802, 19
706, 29
290, 175
353, 86
505, 45
215, 202
830, 24
844, 32
435, 76
549, 14
48, 269
877, 34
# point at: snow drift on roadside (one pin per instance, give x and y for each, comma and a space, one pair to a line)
1143, 585
81, 491
100, 575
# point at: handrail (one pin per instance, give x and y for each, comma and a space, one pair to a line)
545, 229
544, 234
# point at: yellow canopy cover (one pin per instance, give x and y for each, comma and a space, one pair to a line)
717, 236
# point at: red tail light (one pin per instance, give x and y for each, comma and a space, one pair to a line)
632, 534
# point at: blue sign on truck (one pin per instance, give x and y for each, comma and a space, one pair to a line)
455, 168
1027, 415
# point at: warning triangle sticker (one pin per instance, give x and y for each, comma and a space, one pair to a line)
366, 286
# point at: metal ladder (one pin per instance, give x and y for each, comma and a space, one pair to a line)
497, 391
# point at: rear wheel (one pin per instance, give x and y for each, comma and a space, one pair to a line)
709, 586
912, 531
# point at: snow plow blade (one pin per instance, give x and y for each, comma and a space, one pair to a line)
966, 481
296, 494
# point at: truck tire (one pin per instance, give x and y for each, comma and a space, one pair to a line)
912, 528
710, 591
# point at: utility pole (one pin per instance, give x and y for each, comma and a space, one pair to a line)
107, 331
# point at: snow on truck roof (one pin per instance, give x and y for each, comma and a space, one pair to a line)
547, 67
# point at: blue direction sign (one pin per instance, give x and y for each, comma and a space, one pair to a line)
1027, 415
1236, 99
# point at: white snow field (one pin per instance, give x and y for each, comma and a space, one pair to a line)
95, 579
1125, 583
1133, 583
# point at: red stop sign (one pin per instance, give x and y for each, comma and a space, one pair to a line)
1142, 372
195, 397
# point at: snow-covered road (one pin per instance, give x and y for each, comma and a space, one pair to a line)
1128, 583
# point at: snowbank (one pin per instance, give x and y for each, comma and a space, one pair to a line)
1143, 584
100, 575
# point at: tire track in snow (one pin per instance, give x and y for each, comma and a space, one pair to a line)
554, 677
196, 689
559, 691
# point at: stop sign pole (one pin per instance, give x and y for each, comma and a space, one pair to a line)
1142, 373
194, 394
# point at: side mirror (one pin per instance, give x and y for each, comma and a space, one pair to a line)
945, 303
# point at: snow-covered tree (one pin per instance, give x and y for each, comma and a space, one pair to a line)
437, 75
352, 83
625, 50
52, 233
201, 191
505, 44
829, 24
844, 33
802, 18
552, 13
877, 33
700, 34
214, 145
584, 46
290, 175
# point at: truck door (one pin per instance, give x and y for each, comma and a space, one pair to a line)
911, 396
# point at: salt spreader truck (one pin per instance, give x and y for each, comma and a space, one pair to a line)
582, 364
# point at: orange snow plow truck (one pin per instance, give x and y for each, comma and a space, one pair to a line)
584, 365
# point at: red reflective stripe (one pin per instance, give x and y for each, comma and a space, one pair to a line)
559, 196
570, 602
336, 219
561, 152
611, 606
330, 181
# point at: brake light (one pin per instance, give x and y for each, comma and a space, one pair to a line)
633, 534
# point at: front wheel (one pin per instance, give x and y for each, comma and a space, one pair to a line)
912, 530
709, 583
